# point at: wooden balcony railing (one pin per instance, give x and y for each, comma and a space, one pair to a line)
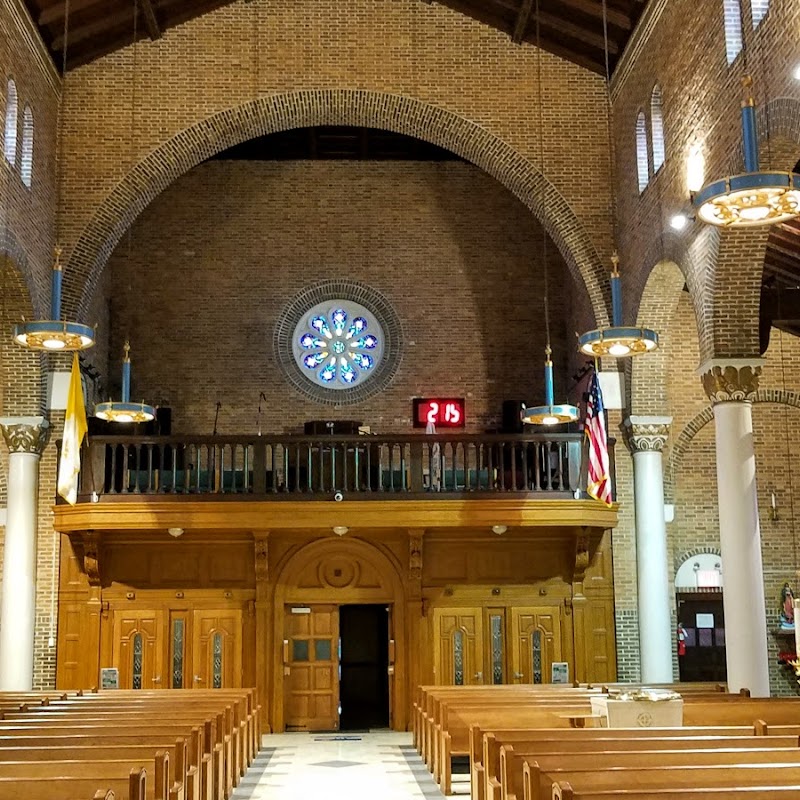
320, 467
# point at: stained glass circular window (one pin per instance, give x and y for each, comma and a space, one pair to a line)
338, 342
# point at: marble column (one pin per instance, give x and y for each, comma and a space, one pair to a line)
26, 438
646, 439
731, 385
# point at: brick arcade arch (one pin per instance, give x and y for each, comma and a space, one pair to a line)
299, 109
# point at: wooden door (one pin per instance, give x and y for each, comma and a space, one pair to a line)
458, 652
138, 648
217, 649
391, 658
535, 635
311, 668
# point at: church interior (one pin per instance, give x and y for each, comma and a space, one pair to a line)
361, 355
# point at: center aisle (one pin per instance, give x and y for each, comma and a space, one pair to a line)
350, 766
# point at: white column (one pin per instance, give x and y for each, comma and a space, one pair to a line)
732, 385
646, 438
26, 438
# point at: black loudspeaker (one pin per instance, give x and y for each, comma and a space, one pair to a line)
512, 423
321, 427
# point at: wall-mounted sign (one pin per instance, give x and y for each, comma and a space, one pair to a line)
109, 678
444, 412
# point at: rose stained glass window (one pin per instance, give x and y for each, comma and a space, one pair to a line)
338, 344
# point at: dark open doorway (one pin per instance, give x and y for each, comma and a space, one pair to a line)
364, 664
702, 617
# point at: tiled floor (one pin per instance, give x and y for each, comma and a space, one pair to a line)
366, 766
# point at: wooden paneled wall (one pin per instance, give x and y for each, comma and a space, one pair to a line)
210, 609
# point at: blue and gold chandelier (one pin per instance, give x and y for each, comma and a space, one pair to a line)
124, 410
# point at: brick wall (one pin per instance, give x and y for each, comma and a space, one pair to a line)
243, 238
423, 69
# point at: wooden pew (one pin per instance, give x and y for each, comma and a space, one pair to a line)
688, 778
536, 782
132, 787
566, 792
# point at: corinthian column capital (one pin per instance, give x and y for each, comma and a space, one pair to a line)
647, 434
732, 379
25, 434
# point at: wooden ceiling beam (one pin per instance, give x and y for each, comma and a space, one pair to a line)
580, 34
521, 25
97, 27
55, 12
150, 19
594, 9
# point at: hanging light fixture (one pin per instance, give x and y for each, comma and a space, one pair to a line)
617, 341
55, 334
124, 410
549, 413
754, 197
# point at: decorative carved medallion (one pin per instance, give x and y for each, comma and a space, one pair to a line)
735, 381
91, 557
648, 434
581, 557
29, 435
415, 554
262, 558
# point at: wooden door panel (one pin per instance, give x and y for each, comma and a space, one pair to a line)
138, 648
535, 643
311, 668
458, 650
217, 649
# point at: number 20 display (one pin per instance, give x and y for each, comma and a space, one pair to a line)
443, 412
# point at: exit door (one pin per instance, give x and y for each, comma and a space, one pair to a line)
311, 667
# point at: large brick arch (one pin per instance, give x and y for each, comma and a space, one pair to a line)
299, 109
699, 421
22, 373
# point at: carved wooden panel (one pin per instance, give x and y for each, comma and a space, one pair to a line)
599, 573
495, 560
180, 564
601, 641
71, 652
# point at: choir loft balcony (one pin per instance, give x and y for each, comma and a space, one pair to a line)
467, 478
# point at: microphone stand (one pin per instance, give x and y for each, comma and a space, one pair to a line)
261, 396
212, 459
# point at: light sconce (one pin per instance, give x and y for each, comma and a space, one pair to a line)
175, 532
340, 530
695, 170
796, 73
773, 507
499, 529
678, 222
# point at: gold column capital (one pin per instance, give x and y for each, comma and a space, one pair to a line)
646, 434
25, 434
732, 379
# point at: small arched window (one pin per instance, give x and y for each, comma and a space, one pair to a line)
733, 28
642, 167
26, 161
657, 128
759, 10
10, 128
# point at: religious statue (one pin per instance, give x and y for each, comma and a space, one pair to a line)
787, 608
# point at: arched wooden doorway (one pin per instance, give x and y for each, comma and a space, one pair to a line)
314, 582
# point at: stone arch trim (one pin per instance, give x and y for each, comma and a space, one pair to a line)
695, 551
786, 397
308, 108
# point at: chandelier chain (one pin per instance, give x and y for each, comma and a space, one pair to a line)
60, 123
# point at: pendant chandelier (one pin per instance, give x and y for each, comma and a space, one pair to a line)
549, 413
754, 197
618, 341
55, 334
124, 410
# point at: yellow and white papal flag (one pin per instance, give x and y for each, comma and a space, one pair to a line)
75, 429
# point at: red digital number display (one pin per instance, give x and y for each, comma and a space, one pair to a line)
443, 412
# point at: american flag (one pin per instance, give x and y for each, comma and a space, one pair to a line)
598, 479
